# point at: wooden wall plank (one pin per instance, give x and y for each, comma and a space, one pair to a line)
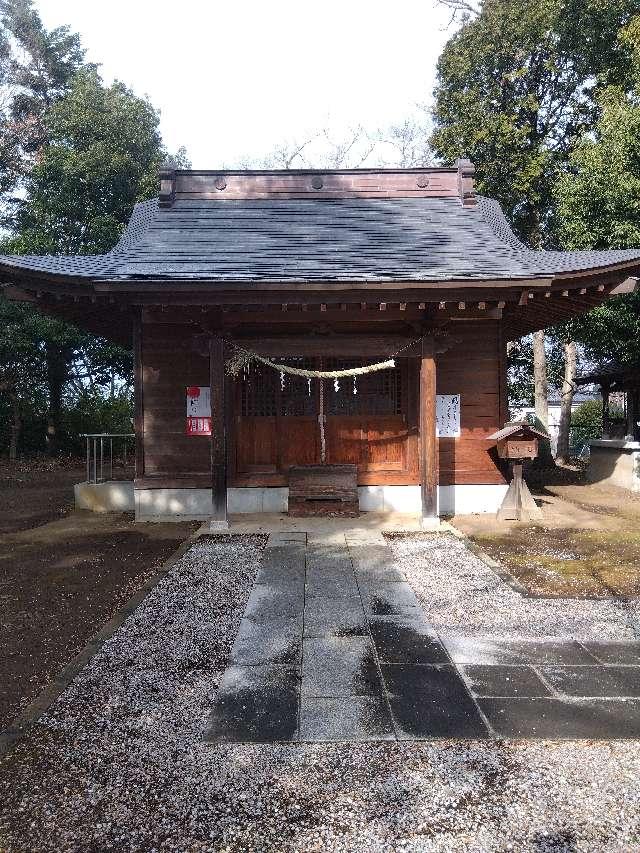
473, 369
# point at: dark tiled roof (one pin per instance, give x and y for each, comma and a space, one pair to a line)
299, 240
611, 372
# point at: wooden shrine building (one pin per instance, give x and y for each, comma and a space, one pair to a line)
320, 269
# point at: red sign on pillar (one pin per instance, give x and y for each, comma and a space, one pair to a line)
198, 410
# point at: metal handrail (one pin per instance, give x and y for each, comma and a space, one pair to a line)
92, 439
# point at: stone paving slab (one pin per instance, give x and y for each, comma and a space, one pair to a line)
286, 537
340, 617
357, 718
335, 646
504, 681
560, 718
338, 667
282, 563
255, 704
271, 642
284, 582
406, 639
611, 680
496, 651
430, 701
270, 604
614, 652
332, 586
366, 557
373, 575
383, 599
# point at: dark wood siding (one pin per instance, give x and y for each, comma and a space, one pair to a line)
263, 447
169, 364
473, 369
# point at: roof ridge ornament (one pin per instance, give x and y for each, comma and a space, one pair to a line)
466, 187
167, 175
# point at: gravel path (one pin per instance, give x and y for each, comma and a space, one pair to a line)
461, 594
119, 764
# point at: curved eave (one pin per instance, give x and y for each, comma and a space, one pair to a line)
27, 274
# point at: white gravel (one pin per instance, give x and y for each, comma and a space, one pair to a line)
118, 763
462, 595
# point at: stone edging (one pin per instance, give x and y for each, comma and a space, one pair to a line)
55, 688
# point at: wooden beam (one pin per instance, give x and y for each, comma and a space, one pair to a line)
629, 285
218, 435
428, 442
16, 294
347, 345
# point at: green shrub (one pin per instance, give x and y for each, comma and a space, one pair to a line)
94, 413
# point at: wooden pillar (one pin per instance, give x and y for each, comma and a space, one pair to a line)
218, 435
606, 425
428, 447
138, 400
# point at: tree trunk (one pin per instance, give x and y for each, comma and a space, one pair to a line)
16, 425
541, 384
568, 390
57, 376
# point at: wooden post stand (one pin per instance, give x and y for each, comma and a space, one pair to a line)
518, 503
219, 519
516, 442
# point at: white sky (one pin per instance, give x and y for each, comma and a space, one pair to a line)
235, 79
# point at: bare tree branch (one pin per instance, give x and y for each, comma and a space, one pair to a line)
403, 145
461, 10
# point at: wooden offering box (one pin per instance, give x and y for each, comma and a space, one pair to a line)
517, 440
328, 490
518, 448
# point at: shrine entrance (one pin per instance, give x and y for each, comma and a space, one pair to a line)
370, 422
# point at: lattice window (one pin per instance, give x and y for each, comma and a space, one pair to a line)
259, 392
264, 393
298, 396
377, 393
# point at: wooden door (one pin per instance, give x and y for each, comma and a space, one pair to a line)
367, 424
276, 425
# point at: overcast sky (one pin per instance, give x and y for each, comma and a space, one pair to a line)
234, 79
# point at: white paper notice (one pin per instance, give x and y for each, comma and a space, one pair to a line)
448, 415
198, 401
198, 410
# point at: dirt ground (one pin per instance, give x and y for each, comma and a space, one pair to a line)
586, 544
62, 574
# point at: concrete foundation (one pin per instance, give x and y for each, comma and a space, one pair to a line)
196, 503
615, 461
113, 496
183, 504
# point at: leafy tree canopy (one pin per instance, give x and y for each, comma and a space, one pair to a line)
515, 93
94, 152
103, 155
36, 67
598, 200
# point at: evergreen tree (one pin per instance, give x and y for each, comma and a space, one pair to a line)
598, 200
515, 93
